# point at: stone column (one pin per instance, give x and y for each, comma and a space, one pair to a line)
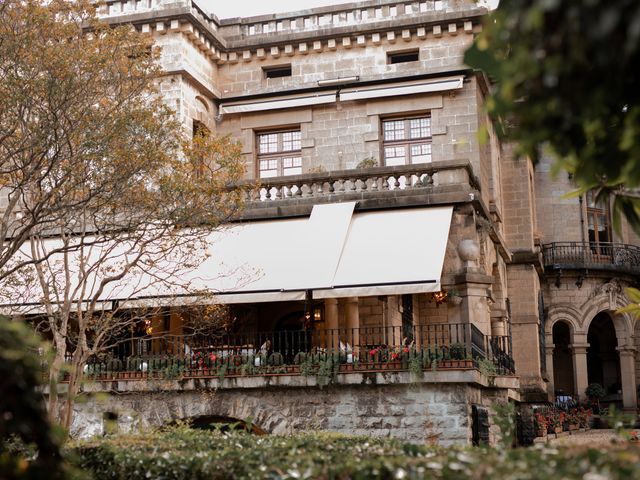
331, 322
628, 377
549, 355
352, 320
580, 375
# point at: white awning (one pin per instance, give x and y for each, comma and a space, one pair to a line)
392, 90
277, 260
332, 253
275, 103
392, 252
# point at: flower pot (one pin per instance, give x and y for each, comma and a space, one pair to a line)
541, 432
557, 430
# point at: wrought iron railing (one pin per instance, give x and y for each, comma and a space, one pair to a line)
435, 346
591, 255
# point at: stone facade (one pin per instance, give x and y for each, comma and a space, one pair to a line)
344, 83
437, 409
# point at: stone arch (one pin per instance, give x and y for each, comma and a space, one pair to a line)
206, 422
565, 313
562, 358
603, 359
203, 103
609, 303
155, 409
202, 114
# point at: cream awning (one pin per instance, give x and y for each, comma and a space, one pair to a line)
392, 90
332, 253
392, 252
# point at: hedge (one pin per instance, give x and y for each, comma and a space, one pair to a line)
183, 453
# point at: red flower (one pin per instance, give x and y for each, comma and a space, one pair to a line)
394, 356
373, 352
212, 357
405, 349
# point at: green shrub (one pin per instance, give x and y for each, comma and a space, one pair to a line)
182, 453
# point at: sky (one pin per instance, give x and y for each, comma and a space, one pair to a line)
247, 8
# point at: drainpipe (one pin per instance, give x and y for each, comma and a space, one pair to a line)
581, 219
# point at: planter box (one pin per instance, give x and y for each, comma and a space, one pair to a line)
456, 364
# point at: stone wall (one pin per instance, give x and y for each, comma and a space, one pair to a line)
386, 405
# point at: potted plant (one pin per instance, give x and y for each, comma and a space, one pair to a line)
540, 424
595, 392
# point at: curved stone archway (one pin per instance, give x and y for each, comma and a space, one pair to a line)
603, 361
563, 371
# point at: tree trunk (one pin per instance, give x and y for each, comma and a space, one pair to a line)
75, 379
54, 375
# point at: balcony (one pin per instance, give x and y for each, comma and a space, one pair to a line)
319, 353
377, 187
614, 257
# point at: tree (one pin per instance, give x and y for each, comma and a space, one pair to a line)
22, 412
105, 196
565, 81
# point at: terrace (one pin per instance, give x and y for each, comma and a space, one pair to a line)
309, 352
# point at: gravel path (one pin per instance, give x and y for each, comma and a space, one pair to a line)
590, 438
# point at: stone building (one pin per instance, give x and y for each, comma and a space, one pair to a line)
381, 219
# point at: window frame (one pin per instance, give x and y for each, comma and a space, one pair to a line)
269, 71
407, 142
279, 155
402, 53
596, 211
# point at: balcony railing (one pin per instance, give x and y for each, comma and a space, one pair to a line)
307, 352
594, 256
356, 183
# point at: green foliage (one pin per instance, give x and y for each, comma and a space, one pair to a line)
634, 306
595, 391
183, 453
367, 163
566, 82
505, 419
22, 413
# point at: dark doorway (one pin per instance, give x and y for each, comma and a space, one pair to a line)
603, 361
290, 336
562, 360
225, 424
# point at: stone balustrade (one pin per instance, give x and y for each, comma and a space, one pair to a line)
363, 181
332, 17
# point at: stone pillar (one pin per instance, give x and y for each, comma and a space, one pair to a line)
331, 322
549, 355
580, 375
628, 377
352, 320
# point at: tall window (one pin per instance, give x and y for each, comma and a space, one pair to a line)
279, 153
407, 140
598, 224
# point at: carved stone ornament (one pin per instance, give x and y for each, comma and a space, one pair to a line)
469, 252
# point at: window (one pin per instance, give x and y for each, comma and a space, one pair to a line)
406, 140
598, 224
277, 71
402, 57
279, 153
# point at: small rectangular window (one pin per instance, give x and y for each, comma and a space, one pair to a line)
406, 140
279, 153
277, 71
403, 57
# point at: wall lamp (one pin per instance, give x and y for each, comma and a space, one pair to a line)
338, 81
